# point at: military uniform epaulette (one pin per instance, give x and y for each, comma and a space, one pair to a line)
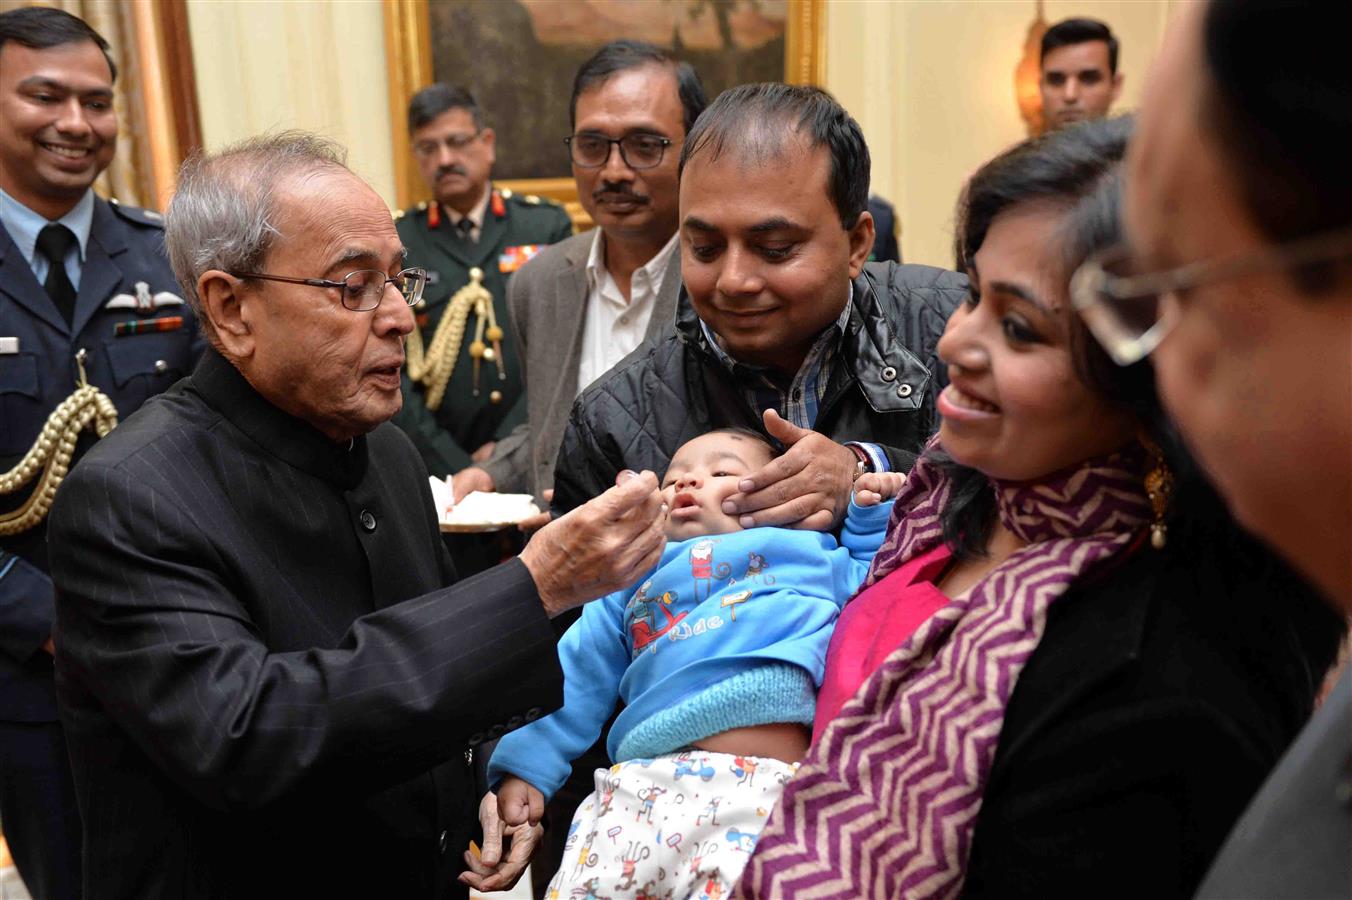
411, 211
527, 199
507, 194
136, 214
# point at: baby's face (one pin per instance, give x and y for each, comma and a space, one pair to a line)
703, 473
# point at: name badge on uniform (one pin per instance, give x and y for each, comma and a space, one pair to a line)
513, 258
144, 301
9, 346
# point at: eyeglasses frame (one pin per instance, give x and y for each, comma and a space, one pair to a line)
445, 142
1093, 290
611, 142
420, 272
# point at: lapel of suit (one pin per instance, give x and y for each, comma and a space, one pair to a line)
18, 282
101, 273
570, 315
664, 305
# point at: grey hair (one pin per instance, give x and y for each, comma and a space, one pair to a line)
222, 212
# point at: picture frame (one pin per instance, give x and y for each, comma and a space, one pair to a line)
409, 49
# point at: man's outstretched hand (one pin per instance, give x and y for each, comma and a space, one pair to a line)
601, 546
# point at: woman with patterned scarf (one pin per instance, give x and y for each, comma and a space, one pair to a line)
1068, 670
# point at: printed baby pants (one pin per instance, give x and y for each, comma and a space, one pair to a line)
675, 827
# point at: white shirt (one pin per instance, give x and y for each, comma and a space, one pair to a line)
614, 326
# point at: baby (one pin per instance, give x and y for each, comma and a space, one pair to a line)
717, 654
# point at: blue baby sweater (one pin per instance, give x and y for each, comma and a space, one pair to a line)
728, 631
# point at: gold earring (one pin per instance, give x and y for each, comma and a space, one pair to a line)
1159, 487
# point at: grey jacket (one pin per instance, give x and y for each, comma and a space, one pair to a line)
1295, 839
547, 299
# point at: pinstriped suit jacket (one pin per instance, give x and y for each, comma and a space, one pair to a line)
266, 685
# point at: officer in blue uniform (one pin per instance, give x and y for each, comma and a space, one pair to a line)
85, 293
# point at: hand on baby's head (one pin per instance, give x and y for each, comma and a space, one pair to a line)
703, 473
873, 488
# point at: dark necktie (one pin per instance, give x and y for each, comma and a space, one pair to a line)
466, 227
54, 242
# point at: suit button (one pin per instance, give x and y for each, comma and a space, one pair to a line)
161, 366
368, 521
889, 373
496, 732
515, 722
441, 842
532, 714
476, 739
904, 390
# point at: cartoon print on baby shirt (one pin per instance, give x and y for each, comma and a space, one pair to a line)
649, 892
699, 851
608, 795
629, 860
755, 569
742, 841
711, 811
649, 797
702, 568
587, 891
687, 766
643, 630
585, 857
730, 601
713, 889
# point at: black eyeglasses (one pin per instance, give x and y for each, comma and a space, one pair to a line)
639, 151
363, 289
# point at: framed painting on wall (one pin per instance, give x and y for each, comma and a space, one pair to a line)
519, 57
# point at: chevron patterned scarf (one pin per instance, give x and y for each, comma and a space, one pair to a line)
885, 803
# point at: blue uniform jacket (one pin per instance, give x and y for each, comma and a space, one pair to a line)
124, 261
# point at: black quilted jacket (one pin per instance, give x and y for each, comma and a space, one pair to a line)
671, 388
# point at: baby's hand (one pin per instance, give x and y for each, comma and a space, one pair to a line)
519, 802
873, 488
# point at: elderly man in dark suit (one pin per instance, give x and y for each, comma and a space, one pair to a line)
271, 681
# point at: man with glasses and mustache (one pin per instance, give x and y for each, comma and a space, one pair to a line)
1236, 283
457, 410
273, 682
86, 295
584, 304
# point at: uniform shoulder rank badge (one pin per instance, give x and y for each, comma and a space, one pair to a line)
513, 258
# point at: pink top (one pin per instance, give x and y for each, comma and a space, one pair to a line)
874, 624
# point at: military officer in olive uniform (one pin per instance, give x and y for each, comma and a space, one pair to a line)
92, 323
462, 386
